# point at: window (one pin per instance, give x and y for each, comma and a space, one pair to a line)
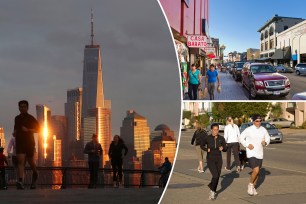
262, 36
135, 123
266, 45
266, 34
271, 31
271, 44
262, 47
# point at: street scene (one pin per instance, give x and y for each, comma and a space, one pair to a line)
283, 166
266, 55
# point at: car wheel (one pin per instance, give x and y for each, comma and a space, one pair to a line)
298, 72
292, 125
252, 92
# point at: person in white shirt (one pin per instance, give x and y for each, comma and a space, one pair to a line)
231, 136
254, 138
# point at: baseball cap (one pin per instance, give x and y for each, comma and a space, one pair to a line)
255, 117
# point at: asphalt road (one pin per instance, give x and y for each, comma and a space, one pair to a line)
280, 178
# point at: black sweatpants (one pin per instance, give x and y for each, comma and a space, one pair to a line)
235, 147
117, 167
193, 91
2, 178
93, 169
214, 164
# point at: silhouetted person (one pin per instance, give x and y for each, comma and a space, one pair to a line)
2, 170
115, 154
165, 171
214, 144
94, 151
25, 127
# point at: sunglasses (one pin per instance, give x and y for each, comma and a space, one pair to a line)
258, 121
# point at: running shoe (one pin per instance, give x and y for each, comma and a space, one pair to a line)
212, 195
250, 189
254, 191
19, 185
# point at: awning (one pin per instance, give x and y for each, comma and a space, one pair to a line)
264, 59
284, 54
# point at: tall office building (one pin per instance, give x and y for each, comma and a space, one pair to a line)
59, 131
96, 112
2, 138
44, 136
136, 134
73, 110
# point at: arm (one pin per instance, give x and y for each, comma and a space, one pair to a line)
101, 150
226, 133
193, 138
5, 160
266, 138
203, 144
86, 149
224, 147
110, 151
206, 80
242, 138
218, 79
10, 146
199, 78
125, 149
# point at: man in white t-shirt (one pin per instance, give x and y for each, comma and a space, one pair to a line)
254, 138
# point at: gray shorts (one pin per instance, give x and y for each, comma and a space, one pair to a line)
211, 88
200, 152
254, 162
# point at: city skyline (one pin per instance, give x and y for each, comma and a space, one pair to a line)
52, 59
236, 25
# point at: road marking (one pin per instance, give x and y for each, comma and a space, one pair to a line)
284, 169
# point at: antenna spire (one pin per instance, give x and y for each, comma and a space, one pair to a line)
92, 35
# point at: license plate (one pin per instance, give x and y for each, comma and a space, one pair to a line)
276, 93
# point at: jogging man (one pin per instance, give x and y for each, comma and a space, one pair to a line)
25, 127
254, 138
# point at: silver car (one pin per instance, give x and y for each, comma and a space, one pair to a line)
284, 123
300, 68
275, 134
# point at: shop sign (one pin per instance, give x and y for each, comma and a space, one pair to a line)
197, 41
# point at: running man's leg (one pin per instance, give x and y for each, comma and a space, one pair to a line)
21, 162
32, 164
213, 168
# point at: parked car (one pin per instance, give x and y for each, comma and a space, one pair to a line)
237, 70
282, 68
263, 80
230, 66
221, 126
282, 122
299, 96
300, 68
275, 134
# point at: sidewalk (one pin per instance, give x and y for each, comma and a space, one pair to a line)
188, 189
230, 90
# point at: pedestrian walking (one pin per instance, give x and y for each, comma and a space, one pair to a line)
212, 77
254, 138
231, 136
3, 161
214, 144
94, 151
11, 151
165, 169
24, 128
115, 154
194, 82
197, 138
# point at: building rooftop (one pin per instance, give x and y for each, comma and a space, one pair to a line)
162, 127
275, 18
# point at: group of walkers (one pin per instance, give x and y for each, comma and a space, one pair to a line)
22, 146
194, 82
253, 138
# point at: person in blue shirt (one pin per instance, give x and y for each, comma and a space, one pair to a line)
194, 81
212, 77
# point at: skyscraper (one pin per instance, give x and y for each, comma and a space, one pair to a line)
59, 132
135, 132
44, 137
96, 113
2, 138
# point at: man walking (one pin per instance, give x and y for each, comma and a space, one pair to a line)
231, 136
212, 77
254, 138
25, 127
94, 151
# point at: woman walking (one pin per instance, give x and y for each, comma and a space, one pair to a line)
214, 144
212, 77
194, 81
196, 140
115, 154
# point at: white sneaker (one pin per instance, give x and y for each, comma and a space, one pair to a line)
254, 191
250, 189
212, 195
242, 167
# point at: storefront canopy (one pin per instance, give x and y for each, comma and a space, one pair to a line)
282, 54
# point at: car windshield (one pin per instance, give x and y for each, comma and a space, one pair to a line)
268, 126
240, 65
262, 69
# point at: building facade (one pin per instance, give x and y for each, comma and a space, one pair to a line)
268, 38
2, 138
295, 111
252, 54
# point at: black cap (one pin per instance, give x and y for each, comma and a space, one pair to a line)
255, 117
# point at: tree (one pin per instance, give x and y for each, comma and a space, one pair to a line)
187, 114
276, 110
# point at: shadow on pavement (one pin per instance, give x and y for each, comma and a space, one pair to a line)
189, 185
227, 180
262, 176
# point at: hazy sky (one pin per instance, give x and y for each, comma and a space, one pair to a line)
236, 22
41, 54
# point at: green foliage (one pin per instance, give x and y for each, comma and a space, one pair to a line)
187, 114
276, 110
202, 119
244, 110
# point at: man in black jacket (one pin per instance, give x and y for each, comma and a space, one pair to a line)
196, 140
214, 144
94, 151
